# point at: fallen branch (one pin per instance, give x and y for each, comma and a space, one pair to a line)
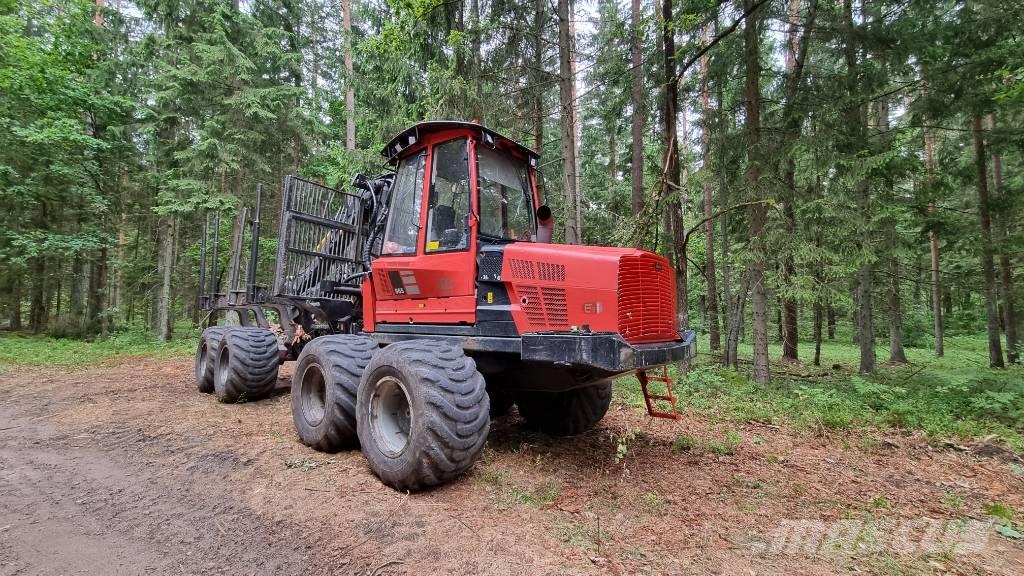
384, 565
379, 525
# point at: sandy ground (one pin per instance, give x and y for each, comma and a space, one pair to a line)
126, 469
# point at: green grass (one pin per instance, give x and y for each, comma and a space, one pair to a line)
509, 493
956, 396
24, 350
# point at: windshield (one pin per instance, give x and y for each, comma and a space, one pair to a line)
506, 200
404, 219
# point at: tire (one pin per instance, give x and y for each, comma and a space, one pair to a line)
324, 390
422, 414
206, 357
247, 365
565, 413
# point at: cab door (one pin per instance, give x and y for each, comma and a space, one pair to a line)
427, 271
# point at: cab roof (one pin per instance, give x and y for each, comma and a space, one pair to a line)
415, 133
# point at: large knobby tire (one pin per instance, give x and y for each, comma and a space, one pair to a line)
247, 365
206, 357
422, 413
324, 389
565, 413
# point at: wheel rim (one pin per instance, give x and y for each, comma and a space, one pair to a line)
222, 367
391, 415
313, 395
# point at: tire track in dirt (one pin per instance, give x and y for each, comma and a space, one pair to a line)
108, 472
126, 469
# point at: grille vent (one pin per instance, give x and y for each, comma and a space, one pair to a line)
551, 272
545, 307
383, 283
647, 299
530, 270
490, 266
521, 269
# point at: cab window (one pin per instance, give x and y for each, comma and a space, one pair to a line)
506, 202
404, 219
448, 216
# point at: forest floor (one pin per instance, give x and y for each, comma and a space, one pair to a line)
123, 468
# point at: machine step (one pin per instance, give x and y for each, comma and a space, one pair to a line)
663, 377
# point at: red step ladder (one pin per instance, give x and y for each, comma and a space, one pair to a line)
663, 377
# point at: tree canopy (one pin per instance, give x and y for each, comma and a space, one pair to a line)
806, 164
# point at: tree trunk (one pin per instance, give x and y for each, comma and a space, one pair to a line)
995, 348
118, 288
818, 313
38, 316
734, 328
99, 317
672, 189
538, 96
819, 306
709, 205
566, 93
15, 301
350, 98
1005, 269
933, 240
758, 212
865, 319
1009, 312
864, 308
165, 266
77, 294
637, 99
896, 353
723, 200
831, 317
479, 112
919, 279
790, 341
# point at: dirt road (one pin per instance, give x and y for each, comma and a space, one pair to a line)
126, 469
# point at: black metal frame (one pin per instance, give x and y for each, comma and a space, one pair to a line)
320, 240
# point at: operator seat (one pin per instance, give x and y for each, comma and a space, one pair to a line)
443, 220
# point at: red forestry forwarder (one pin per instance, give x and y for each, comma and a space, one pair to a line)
430, 301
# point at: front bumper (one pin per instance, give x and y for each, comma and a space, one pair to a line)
605, 351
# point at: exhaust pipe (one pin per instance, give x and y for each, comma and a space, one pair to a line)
545, 224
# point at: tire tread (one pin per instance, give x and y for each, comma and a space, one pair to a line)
458, 424
252, 366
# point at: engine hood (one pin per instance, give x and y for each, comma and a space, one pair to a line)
557, 287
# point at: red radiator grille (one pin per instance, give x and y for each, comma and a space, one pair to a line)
545, 307
647, 299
